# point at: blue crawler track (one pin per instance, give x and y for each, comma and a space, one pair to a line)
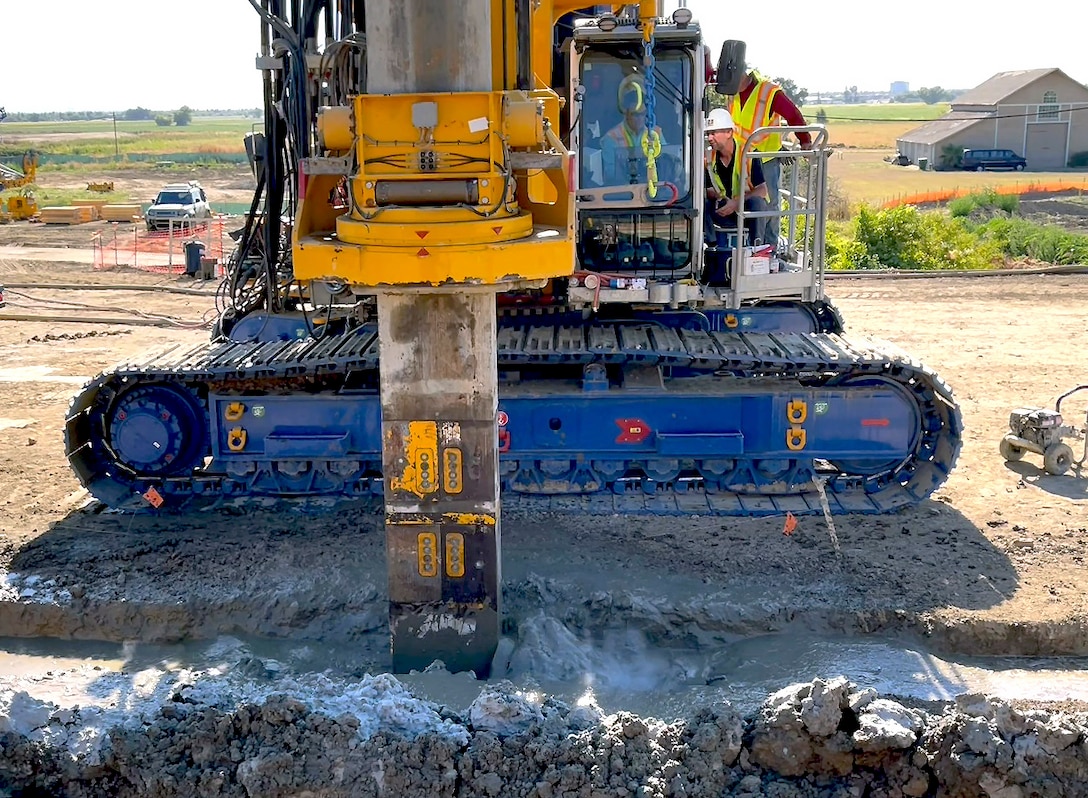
621, 417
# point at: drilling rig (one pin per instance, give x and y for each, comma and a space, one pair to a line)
449, 286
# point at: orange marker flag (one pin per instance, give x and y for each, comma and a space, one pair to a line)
790, 525
153, 497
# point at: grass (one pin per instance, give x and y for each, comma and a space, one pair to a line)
873, 126
862, 135
80, 149
96, 138
52, 197
915, 113
866, 135
864, 178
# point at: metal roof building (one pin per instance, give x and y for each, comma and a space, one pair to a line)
1041, 114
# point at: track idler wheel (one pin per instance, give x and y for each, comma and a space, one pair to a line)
158, 430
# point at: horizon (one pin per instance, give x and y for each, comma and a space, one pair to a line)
104, 115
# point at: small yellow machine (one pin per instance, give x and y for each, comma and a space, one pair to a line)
21, 207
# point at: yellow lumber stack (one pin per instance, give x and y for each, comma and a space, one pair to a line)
119, 213
94, 205
67, 214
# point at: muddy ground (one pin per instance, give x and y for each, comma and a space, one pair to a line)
992, 565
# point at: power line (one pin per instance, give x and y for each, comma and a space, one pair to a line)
1071, 109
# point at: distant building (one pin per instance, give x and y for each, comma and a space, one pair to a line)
1041, 114
899, 88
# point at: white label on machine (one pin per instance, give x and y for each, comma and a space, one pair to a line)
478, 125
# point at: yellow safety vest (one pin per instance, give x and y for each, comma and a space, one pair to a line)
629, 138
716, 179
756, 113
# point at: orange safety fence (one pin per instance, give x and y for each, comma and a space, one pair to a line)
944, 195
131, 245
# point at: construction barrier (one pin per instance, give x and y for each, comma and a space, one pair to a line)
130, 245
944, 195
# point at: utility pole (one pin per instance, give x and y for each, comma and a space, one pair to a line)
116, 147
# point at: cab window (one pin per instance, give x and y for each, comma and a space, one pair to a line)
613, 113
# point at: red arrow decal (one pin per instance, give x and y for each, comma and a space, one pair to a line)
422, 233
497, 230
632, 430
423, 252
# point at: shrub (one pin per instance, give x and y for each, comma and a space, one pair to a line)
951, 156
905, 238
985, 200
1078, 159
843, 251
1024, 239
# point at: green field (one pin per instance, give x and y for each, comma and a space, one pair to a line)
100, 140
873, 126
918, 113
862, 136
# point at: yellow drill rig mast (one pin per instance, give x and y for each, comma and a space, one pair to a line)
454, 187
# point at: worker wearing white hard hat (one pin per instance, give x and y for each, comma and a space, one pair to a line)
724, 173
718, 119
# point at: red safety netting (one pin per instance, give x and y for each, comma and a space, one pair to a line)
131, 245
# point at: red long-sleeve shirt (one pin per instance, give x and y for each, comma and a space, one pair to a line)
782, 105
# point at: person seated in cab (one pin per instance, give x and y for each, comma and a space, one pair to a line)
623, 156
724, 173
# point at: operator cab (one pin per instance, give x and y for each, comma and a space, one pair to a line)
640, 208
627, 219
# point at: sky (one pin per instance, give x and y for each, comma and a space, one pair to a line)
113, 55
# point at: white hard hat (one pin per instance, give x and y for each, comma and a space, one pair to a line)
719, 119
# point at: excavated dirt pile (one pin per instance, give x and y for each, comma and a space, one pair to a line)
825, 738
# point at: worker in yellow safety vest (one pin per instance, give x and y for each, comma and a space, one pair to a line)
725, 170
622, 155
762, 103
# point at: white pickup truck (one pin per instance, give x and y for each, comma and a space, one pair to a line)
178, 204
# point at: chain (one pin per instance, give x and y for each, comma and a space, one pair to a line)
651, 139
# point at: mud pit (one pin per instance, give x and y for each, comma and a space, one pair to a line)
242, 651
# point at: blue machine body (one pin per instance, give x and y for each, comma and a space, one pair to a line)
604, 429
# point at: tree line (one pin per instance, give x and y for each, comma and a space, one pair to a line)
182, 116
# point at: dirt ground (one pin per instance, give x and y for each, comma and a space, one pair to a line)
995, 562
1000, 544
224, 184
